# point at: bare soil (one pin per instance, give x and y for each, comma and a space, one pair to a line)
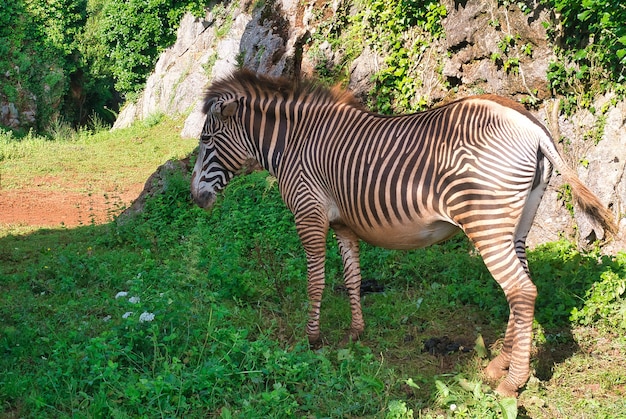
61, 206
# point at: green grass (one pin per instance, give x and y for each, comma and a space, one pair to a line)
228, 294
100, 160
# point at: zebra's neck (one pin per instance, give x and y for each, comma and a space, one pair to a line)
278, 125
271, 122
269, 146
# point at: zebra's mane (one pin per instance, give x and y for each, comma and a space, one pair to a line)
243, 82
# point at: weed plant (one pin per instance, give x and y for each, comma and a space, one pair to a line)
179, 312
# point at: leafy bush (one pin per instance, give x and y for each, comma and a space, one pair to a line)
593, 49
605, 300
579, 287
402, 31
73, 58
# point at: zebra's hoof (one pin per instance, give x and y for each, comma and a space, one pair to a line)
494, 372
351, 336
496, 369
507, 390
315, 342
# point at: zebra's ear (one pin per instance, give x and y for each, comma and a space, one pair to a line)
229, 108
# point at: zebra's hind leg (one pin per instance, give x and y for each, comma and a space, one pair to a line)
540, 183
499, 366
349, 248
514, 359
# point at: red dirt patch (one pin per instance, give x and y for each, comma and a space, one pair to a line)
53, 208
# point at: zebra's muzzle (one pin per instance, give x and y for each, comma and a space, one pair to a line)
204, 199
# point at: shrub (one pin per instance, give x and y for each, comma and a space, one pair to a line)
592, 50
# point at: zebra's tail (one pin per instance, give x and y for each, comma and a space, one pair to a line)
586, 200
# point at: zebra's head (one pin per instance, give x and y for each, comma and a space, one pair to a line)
221, 152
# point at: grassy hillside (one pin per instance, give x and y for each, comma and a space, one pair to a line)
93, 168
180, 312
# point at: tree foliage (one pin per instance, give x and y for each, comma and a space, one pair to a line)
592, 46
125, 38
31, 61
79, 57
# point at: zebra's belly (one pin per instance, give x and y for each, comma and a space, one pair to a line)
412, 235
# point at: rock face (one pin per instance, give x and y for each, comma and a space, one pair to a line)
202, 52
496, 49
603, 170
12, 117
487, 48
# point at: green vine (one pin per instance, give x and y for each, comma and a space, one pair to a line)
402, 30
339, 31
591, 49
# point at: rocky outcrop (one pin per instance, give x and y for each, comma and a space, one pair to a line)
496, 49
487, 48
272, 43
204, 49
15, 117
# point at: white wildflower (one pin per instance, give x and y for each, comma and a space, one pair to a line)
453, 407
121, 294
127, 314
106, 318
146, 317
134, 300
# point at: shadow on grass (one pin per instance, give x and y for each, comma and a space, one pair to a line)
571, 291
451, 279
58, 287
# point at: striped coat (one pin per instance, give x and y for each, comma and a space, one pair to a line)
478, 165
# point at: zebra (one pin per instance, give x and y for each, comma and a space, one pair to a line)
478, 165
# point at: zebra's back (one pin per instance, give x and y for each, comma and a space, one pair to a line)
410, 181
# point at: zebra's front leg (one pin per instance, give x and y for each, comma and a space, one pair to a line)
312, 230
315, 289
349, 249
